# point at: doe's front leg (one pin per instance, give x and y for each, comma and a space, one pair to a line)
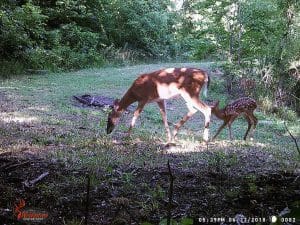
136, 114
162, 109
207, 115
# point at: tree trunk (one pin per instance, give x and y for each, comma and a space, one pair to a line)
279, 62
240, 32
231, 43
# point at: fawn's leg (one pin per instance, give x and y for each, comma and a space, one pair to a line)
232, 118
254, 122
220, 128
250, 122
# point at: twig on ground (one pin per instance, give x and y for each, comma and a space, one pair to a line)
294, 139
170, 195
87, 199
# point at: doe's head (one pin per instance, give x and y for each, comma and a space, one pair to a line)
113, 117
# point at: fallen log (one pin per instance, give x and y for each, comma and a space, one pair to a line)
34, 181
98, 101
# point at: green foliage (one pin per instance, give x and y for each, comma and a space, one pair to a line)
266, 104
9, 68
22, 28
77, 38
70, 34
286, 114
204, 49
258, 35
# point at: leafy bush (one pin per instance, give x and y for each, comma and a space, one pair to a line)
22, 29
78, 60
78, 39
286, 114
9, 68
64, 35
266, 104
204, 49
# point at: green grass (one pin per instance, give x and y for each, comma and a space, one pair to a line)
39, 115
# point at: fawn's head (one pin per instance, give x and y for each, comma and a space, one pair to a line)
219, 113
113, 117
215, 107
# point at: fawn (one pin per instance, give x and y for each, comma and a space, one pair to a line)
228, 114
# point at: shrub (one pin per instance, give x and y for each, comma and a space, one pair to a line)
62, 58
286, 114
22, 28
266, 104
10, 68
204, 49
77, 38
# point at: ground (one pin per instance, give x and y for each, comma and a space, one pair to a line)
43, 129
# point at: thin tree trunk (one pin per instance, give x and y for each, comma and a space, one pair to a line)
279, 64
231, 43
240, 32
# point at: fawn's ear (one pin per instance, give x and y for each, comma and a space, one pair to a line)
216, 104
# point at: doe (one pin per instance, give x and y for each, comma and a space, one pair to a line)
159, 86
245, 106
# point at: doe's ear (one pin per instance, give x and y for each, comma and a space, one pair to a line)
116, 104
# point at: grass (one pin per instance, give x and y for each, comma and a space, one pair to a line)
39, 117
44, 102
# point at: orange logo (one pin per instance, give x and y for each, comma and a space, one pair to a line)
30, 214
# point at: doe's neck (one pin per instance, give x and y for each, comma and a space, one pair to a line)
125, 101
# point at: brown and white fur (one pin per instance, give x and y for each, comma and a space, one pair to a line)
245, 106
159, 86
